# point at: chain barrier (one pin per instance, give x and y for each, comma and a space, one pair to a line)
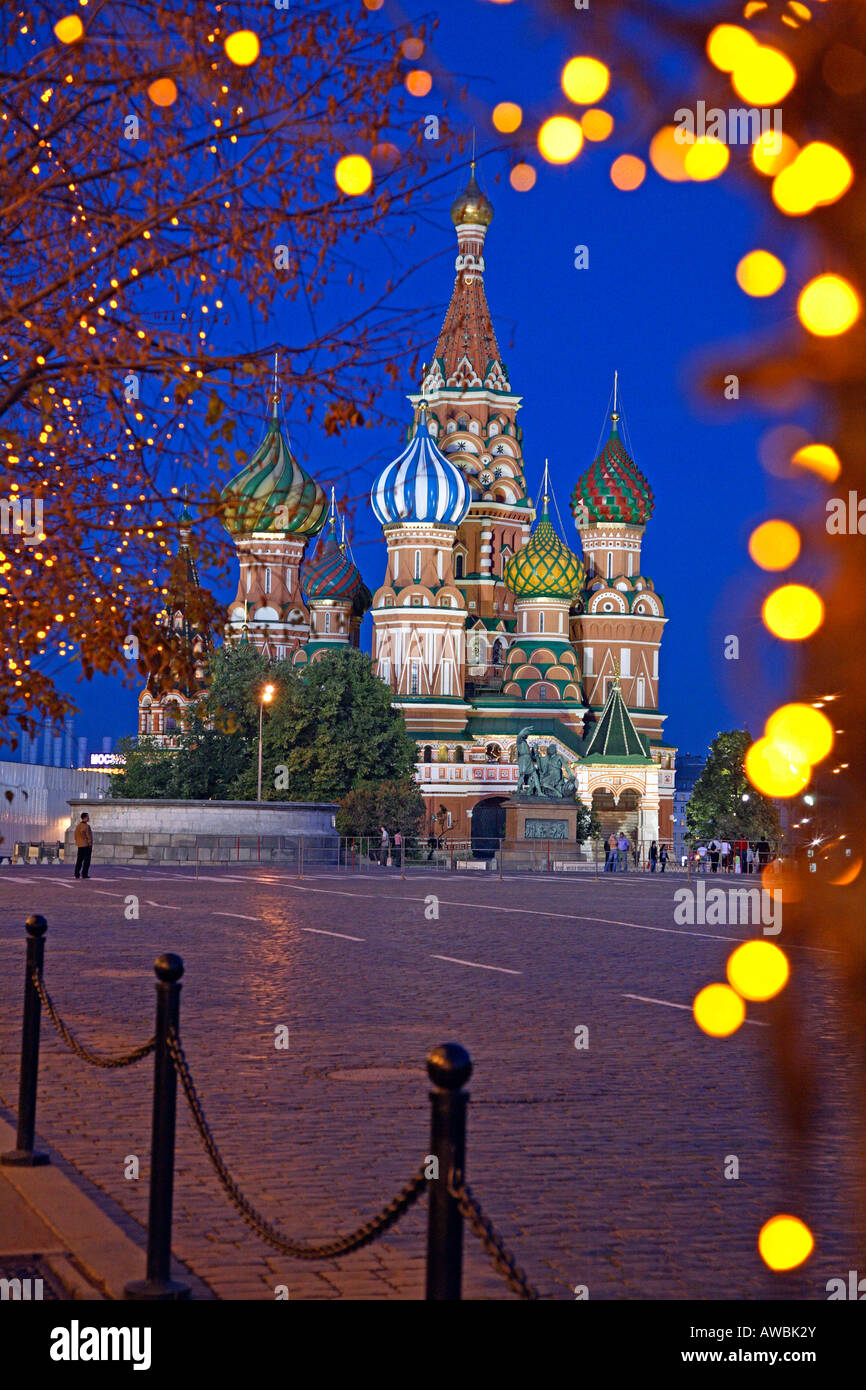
502, 1260
95, 1060
342, 1245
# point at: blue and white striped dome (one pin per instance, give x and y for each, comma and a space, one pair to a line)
421, 485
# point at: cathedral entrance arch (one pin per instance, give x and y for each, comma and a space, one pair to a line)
488, 826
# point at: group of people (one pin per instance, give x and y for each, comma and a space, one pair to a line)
385, 848
619, 846
741, 857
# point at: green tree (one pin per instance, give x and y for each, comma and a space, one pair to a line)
724, 803
396, 803
331, 728
149, 770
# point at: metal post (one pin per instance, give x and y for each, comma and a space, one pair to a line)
449, 1068
300, 857
261, 716
158, 1283
548, 856
500, 861
260, 849
402, 855
24, 1155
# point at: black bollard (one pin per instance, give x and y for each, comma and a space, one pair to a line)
158, 1283
449, 1067
24, 1155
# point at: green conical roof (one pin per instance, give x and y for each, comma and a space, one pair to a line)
615, 736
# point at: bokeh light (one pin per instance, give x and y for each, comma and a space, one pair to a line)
162, 92
828, 305
560, 139
706, 158
412, 49
718, 1010
418, 82
803, 730
354, 174
785, 1242
627, 172
69, 29
773, 771
769, 160
774, 545
760, 273
668, 156
820, 174
522, 177
585, 80
757, 970
727, 45
793, 612
820, 459
242, 47
507, 117
763, 76
596, 124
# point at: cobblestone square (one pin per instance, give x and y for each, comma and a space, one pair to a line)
601, 1167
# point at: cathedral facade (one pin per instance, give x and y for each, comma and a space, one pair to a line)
485, 622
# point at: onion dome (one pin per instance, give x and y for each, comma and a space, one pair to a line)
421, 485
331, 574
544, 567
613, 489
472, 205
273, 492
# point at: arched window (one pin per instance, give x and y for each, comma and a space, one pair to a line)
497, 652
327, 622
641, 692
541, 622
267, 581
458, 566
542, 692
428, 754
610, 564
417, 565
459, 755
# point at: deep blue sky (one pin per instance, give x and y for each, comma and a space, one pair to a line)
659, 294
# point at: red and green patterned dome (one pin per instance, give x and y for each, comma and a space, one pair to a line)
613, 489
544, 567
331, 574
273, 492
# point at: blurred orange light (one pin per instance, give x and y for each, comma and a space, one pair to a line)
69, 29
560, 139
785, 1242
706, 159
802, 730
412, 49
596, 124
828, 305
522, 177
821, 459
727, 45
718, 1010
354, 174
773, 771
585, 80
766, 159
162, 92
793, 612
242, 47
757, 970
819, 175
774, 545
418, 82
627, 172
507, 117
763, 76
668, 156
760, 273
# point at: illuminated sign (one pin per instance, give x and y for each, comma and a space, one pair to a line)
107, 760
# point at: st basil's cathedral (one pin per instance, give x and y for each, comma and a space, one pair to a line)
485, 621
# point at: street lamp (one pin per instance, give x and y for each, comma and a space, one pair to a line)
265, 698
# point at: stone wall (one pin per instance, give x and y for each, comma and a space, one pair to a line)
208, 832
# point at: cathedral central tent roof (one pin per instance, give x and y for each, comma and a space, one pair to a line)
615, 737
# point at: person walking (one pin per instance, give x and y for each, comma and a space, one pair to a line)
653, 856
750, 860
84, 842
715, 850
384, 846
701, 859
398, 849
663, 858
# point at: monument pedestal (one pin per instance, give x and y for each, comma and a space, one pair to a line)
536, 826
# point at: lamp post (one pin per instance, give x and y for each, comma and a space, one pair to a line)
265, 698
